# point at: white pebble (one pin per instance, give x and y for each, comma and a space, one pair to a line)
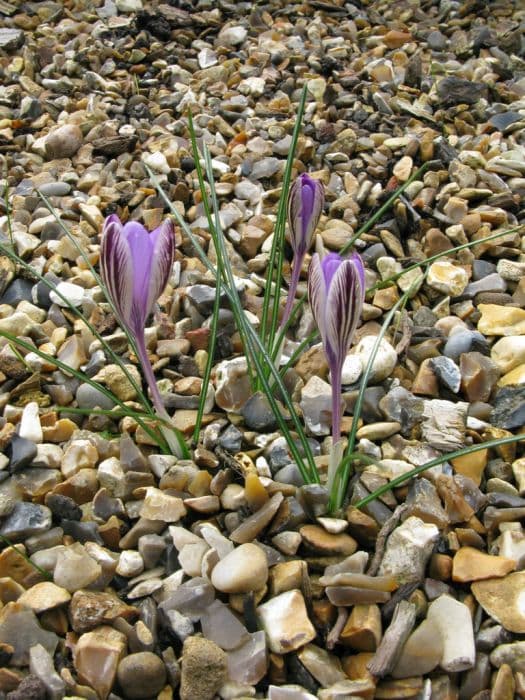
30, 427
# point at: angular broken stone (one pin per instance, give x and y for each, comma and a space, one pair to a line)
96, 657
219, 624
20, 628
408, 549
421, 653
454, 622
286, 623
469, 564
248, 663
323, 666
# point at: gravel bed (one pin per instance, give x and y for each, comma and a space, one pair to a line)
221, 576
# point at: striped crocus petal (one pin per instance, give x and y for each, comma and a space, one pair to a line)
336, 292
163, 249
344, 303
305, 205
116, 268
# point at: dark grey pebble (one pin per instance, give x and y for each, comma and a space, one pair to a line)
21, 453
509, 408
258, 414
26, 519
447, 372
19, 290
231, 439
465, 341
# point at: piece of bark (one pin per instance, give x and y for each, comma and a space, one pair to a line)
393, 640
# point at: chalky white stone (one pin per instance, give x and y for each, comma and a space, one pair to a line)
454, 622
71, 292
509, 352
384, 361
30, 427
286, 623
242, 570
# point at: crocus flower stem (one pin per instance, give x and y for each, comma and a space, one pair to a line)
336, 402
156, 399
292, 289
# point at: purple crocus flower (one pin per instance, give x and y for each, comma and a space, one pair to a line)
135, 266
336, 290
305, 205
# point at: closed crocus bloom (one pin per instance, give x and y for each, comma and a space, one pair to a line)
305, 205
336, 290
135, 266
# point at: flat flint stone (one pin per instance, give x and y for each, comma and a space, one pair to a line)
509, 408
25, 520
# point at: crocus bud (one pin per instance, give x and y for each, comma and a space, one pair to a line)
135, 266
336, 290
305, 205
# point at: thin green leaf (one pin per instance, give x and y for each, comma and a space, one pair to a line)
83, 378
213, 226
343, 473
400, 480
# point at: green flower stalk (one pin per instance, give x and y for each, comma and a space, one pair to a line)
135, 266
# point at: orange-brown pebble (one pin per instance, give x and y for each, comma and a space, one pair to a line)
470, 564
362, 630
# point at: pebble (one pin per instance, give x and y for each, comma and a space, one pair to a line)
384, 361
502, 600
454, 622
204, 669
447, 278
501, 320
20, 628
408, 550
285, 622
96, 659
242, 570
141, 675
63, 142
469, 564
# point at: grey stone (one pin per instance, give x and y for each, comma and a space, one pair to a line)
465, 341
88, 396
509, 408
21, 453
19, 290
26, 519
11, 38
447, 372
258, 414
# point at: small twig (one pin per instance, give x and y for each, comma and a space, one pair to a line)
333, 635
393, 640
382, 537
